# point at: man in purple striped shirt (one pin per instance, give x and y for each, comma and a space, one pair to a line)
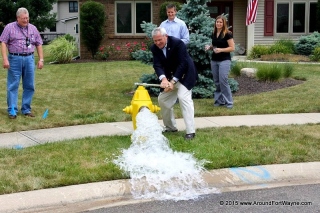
20, 38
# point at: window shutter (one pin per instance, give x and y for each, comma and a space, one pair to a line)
268, 17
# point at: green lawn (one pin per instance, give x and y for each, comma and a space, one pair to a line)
83, 93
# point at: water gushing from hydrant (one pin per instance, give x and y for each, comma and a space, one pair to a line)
156, 171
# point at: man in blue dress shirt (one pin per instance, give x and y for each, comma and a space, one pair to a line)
175, 26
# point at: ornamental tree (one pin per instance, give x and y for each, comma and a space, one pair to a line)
92, 20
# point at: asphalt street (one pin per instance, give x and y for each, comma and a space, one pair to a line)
302, 199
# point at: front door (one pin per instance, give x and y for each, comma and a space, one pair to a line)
217, 8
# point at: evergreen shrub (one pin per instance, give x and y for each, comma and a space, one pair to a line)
92, 20
306, 44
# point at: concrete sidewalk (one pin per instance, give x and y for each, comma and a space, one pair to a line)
35, 137
50, 200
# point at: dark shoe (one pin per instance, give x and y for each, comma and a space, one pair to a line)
170, 130
190, 136
12, 116
218, 104
29, 115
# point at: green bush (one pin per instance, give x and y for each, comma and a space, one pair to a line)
258, 50
285, 46
144, 56
235, 68
269, 73
234, 85
70, 38
61, 50
204, 87
92, 19
315, 54
105, 51
288, 70
306, 44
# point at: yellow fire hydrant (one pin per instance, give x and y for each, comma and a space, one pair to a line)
141, 98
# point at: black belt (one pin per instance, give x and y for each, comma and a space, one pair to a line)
21, 54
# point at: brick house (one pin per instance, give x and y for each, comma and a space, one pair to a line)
276, 19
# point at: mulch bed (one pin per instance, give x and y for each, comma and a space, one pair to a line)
248, 86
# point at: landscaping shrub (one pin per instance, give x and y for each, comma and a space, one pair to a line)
136, 46
316, 54
70, 38
288, 70
61, 50
269, 73
258, 50
92, 19
234, 85
105, 51
307, 44
235, 68
285, 46
144, 56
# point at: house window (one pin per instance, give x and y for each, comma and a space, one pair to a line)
293, 18
130, 15
299, 10
73, 6
54, 28
312, 17
282, 18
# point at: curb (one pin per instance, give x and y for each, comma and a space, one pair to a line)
229, 179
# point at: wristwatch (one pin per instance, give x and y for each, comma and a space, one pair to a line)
41, 60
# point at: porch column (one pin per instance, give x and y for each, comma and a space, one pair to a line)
250, 37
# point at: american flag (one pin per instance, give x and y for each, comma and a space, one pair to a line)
252, 12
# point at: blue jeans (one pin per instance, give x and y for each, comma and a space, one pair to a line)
20, 67
220, 72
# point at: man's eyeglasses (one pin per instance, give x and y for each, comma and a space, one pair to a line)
27, 41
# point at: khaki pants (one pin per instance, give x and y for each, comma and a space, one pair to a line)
168, 99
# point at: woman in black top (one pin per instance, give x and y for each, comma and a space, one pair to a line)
222, 45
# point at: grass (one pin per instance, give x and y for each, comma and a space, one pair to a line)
89, 160
84, 93
97, 92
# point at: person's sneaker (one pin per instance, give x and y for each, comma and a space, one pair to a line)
29, 115
218, 104
190, 136
12, 116
230, 106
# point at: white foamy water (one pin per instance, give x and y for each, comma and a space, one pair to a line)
155, 170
